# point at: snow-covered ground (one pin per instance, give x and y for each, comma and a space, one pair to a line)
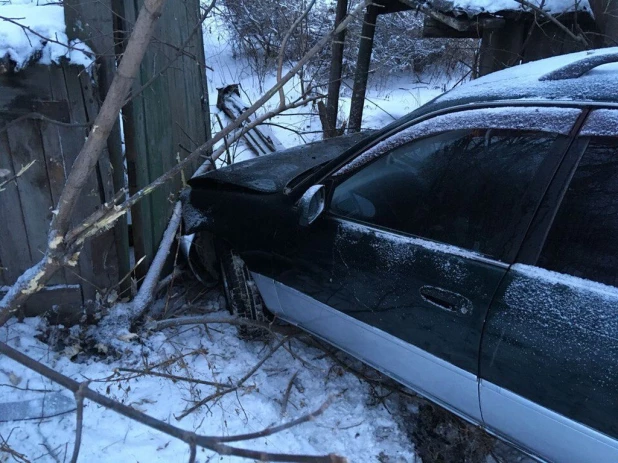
356, 425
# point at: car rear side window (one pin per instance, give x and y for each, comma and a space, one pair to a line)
583, 240
467, 188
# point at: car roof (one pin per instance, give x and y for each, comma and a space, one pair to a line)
588, 76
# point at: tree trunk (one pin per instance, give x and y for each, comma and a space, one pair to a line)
329, 124
362, 68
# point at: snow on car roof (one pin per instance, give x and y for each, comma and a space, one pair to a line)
525, 82
475, 7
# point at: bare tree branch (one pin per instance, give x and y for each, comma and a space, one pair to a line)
79, 398
214, 443
577, 37
283, 45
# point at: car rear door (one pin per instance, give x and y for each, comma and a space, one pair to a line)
418, 235
549, 357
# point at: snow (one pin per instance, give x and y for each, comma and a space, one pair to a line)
555, 120
394, 247
576, 283
474, 7
354, 425
522, 81
601, 123
42, 19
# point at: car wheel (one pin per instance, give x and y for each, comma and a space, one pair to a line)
241, 292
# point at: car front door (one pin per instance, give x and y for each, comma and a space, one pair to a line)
418, 234
549, 362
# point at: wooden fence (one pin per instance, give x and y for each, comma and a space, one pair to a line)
64, 94
163, 122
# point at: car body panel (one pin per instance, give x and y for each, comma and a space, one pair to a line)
454, 388
552, 338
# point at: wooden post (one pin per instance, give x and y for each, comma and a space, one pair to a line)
502, 48
334, 77
362, 68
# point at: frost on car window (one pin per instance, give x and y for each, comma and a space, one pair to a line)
554, 120
558, 297
601, 123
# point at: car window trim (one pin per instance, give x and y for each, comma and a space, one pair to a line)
545, 214
322, 175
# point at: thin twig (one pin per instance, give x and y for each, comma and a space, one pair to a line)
578, 38
79, 399
284, 43
288, 391
21, 172
172, 377
239, 384
179, 53
41, 117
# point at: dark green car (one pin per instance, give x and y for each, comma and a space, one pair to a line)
468, 250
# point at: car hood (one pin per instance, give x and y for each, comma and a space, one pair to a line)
270, 174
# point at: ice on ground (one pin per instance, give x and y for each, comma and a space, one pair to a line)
35, 31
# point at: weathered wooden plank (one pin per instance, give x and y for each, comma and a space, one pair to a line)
168, 113
14, 250
93, 22
26, 146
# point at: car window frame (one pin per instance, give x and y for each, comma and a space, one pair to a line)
538, 232
332, 181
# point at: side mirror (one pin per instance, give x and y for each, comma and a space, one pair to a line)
311, 205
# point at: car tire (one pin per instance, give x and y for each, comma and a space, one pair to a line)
241, 292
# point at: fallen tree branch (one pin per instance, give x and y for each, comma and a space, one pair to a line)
238, 385
56, 255
79, 399
216, 318
123, 315
172, 377
214, 443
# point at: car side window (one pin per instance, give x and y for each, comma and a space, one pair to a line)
583, 240
465, 187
